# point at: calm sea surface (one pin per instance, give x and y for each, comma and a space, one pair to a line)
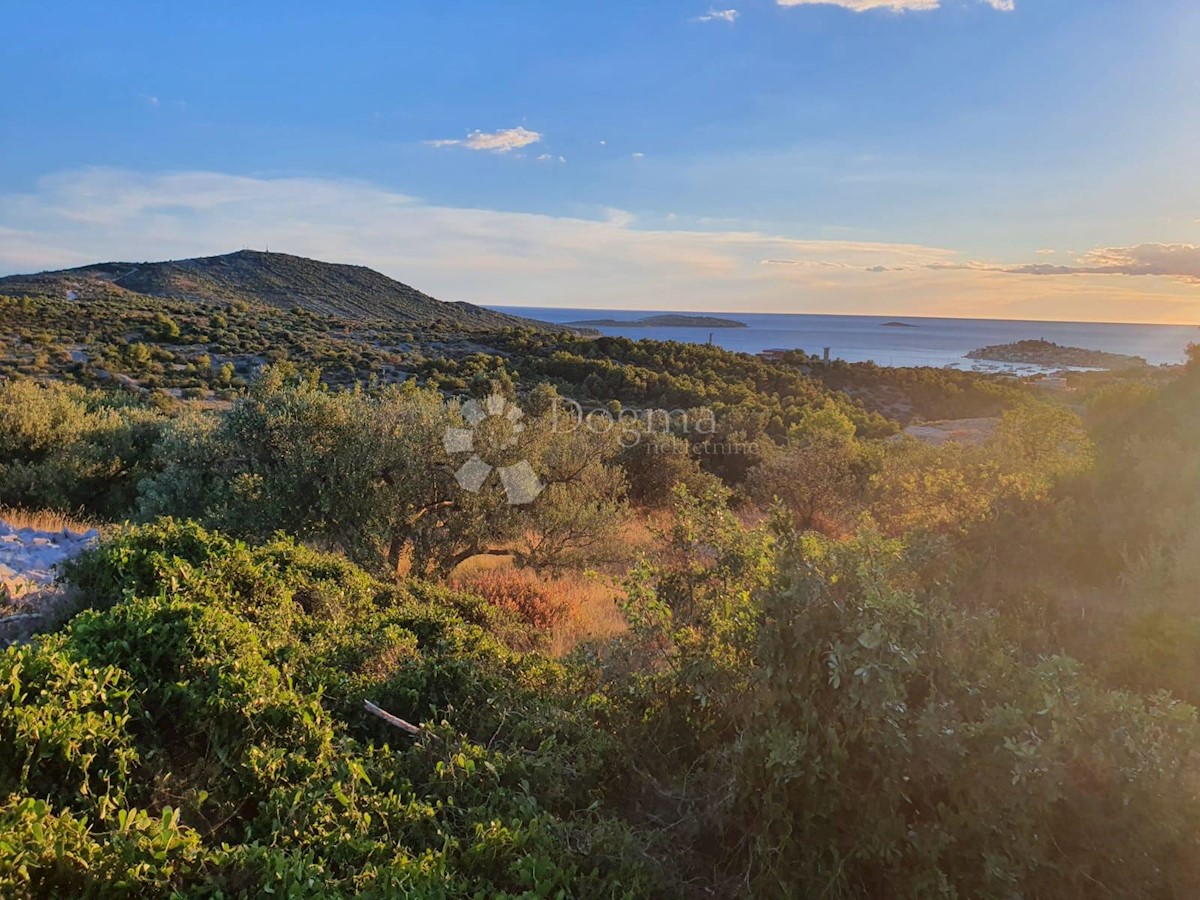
928, 342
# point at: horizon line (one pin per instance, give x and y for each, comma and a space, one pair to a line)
897, 316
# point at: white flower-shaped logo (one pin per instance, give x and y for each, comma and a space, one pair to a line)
521, 484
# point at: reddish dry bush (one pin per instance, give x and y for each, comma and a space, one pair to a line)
521, 594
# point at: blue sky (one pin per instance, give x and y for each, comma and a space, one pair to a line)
1033, 158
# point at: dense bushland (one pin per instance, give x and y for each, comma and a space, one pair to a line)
855, 665
1105, 568
175, 348
68, 449
791, 715
369, 473
829, 722
201, 729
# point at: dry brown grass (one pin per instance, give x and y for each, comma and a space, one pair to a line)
591, 600
593, 612
42, 520
641, 531
521, 593
579, 607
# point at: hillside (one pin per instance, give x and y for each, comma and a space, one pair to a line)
276, 279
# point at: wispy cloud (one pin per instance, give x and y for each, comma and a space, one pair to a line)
868, 5
718, 15
155, 102
496, 257
1179, 261
898, 6
497, 141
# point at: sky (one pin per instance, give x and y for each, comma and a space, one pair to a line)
1029, 159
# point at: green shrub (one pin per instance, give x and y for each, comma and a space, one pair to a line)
68, 449
842, 727
220, 687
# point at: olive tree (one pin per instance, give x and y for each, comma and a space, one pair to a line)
391, 475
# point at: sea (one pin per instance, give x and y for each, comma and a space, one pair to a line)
914, 341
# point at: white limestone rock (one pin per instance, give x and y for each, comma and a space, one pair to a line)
30, 560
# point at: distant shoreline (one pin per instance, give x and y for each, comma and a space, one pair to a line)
661, 321
936, 342
881, 318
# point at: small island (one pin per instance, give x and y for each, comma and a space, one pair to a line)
665, 321
897, 325
1052, 355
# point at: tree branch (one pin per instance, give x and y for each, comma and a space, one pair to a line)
390, 719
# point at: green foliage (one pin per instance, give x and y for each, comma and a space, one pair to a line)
879, 739
932, 671
1115, 545
952, 488
693, 624
367, 471
749, 398
983, 776
820, 473
68, 449
201, 731
166, 329
64, 727
911, 394
45, 851
658, 463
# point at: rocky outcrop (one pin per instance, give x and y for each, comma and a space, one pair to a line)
29, 558
30, 561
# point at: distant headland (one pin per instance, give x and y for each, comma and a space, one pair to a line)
1052, 355
666, 321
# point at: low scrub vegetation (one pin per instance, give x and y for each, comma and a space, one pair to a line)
842, 663
796, 712
212, 738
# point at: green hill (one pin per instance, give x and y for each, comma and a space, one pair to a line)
276, 279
